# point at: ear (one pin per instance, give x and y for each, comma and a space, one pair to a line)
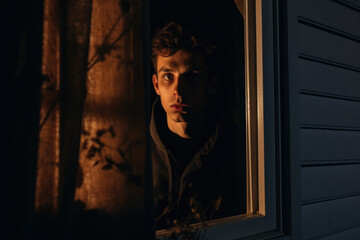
156, 84
213, 84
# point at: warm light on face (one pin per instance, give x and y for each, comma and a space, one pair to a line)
181, 81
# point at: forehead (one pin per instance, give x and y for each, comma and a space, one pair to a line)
182, 60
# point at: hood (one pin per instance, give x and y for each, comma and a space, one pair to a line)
157, 116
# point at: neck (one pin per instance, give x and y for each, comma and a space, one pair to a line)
193, 130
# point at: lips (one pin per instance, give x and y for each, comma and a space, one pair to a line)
179, 107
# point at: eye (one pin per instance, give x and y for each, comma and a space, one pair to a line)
167, 77
195, 75
192, 76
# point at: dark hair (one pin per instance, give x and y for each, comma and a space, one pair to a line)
173, 37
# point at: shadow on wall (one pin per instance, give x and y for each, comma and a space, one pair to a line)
97, 151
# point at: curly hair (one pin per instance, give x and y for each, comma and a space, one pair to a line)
173, 37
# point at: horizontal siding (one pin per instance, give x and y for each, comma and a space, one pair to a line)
353, 4
323, 78
350, 234
332, 14
324, 182
315, 110
327, 145
329, 217
325, 45
328, 38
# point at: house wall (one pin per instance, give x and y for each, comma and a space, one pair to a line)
326, 82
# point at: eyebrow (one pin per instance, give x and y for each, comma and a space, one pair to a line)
165, 69
196, 69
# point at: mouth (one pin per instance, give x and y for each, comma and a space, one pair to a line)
180, 107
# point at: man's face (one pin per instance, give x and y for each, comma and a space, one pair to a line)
181, 81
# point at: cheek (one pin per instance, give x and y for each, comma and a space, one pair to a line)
200, 95
165, 95
164, 102
165, 90
163, 86
200, 90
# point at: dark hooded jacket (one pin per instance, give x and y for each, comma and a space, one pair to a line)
205, 179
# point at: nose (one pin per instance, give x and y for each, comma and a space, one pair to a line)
180, 87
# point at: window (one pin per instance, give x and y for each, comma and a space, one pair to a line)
251, 105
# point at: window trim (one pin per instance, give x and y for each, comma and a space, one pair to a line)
262, 220
254, 108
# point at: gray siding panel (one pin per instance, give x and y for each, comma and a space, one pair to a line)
328, 61
324, 145
329, 217
315, 42
351, 3
325, 78
350, 234
329, 112
332, 14
322, 182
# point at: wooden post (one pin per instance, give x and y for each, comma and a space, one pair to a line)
74, 45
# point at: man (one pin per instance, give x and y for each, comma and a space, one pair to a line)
192, 152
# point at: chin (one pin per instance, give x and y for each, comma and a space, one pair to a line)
178, 117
